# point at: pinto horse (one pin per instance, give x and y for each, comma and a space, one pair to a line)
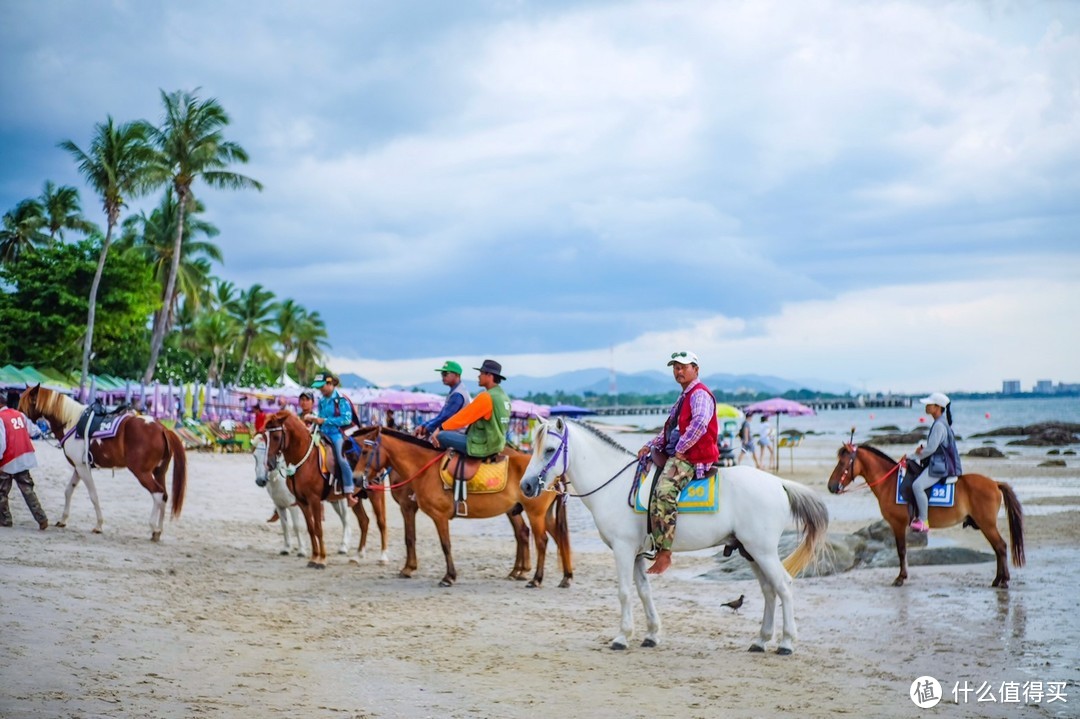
142, 444
417, 461
978, 500
289, 438
374, 462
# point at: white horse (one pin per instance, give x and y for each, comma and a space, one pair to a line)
755, 507
285, 503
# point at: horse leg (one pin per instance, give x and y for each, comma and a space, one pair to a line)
988, 525
294, 521
378, 506
625, 558
342, 509
560, 532
408, 517
772, 569
88, 479
158, 493
364, 521
766, 634
521, 542
900, 535
644, 590
442, 526
309, 519
317, 514
72, 483
540, 537
286, 528
157, 516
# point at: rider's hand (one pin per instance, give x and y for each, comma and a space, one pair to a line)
435, 438
420, 431
644, 452
680, 456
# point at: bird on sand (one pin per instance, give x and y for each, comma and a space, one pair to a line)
735, 604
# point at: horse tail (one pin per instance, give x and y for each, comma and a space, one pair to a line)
812, 519
1016, 523
179, 474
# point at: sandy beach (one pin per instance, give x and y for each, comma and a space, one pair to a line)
213, 622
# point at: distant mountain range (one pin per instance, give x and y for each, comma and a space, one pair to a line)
597, 381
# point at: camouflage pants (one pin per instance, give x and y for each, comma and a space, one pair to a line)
665, 505
26, 486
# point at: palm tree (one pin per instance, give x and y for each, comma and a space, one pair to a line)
288, 317
118, 164
311, 339
191, 145
22, 230
215, 333
63, 210
153, 235
254, 312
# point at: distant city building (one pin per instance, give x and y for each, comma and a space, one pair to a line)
1010, 386
1044, 386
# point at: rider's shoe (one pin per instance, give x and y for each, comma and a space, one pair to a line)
920, 526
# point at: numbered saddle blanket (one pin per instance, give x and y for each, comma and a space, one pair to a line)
489, 477
97, 426
700, 496
941, 494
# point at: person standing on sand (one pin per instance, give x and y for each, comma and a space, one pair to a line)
688, 444
764, 442
17, 458
746, 442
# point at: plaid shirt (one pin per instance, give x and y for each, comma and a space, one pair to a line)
702, 408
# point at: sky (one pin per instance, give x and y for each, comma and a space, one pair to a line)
885, 194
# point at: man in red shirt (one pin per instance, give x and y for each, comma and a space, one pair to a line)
17, 458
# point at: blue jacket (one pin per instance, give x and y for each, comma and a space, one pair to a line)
337, 410
458, 398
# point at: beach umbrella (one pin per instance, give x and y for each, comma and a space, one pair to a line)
724, 411
569, 410
777, 406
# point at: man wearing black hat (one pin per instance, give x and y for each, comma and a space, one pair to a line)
487, 418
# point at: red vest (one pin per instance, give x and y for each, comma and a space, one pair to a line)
16, 435
705, 450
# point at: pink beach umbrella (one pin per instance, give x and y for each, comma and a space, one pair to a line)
777, 406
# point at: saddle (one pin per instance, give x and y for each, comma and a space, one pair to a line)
939, 494
699, 496
331, 470
466, 474
97, 422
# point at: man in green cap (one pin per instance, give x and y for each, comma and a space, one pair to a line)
335, 414
456, 399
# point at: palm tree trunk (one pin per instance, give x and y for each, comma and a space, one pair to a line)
243, 360
157, 339
286, 349
88, 341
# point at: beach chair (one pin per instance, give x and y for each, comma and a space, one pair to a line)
790, 441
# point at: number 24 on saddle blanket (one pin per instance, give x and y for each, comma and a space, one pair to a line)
700, 496
490, 476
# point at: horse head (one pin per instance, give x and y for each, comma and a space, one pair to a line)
278, 437
28, 404
549, 448
259, 450
373, 457
847, 468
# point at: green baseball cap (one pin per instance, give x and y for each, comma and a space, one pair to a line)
323, 378
450, 366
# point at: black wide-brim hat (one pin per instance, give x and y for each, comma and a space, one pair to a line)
491, 367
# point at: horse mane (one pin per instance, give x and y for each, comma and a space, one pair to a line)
410, 439
875, 451
59, 406
599, 435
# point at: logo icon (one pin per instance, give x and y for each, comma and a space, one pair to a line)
925, 692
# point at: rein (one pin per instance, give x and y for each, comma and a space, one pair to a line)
377, 445
867, 485
290, 469
564, 452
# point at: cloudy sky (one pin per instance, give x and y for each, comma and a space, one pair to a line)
880, 193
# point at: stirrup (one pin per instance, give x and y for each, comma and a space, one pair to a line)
461, 508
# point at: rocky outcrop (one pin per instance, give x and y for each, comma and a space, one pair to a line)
913, 437
1053, 463
1041, 434
993, 452
871, 546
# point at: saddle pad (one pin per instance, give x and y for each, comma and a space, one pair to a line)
490, 477
700, 496
941, 495
108, 429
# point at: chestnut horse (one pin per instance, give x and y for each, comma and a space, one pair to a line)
374, 462
978, 500
417, 462
142, 444
288, 437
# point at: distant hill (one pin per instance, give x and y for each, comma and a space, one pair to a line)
350, 380
596, 380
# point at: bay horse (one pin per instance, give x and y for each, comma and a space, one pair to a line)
755, 508
374, 462
417, 462
142, 444
289, 438
978, 500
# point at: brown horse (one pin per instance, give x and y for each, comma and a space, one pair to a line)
978, 500
417, 462
289, 438
142, 444
374, 462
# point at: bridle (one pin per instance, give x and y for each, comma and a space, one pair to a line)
290, 469
561, 480
850, 470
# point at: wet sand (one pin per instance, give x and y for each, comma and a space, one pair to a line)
212, 622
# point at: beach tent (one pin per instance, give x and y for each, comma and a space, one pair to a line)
521, 408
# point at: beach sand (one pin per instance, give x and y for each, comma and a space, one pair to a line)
213, 622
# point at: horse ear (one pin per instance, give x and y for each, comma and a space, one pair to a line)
560, 425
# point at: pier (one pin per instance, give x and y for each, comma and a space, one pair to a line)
817, 405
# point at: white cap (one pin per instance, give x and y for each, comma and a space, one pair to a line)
683, 357
941, 400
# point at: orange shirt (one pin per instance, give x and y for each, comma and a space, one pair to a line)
479, 408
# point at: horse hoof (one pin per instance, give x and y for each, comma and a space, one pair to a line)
96, 531
533, 585
312, 565
61, 525
564, 584
648, 643
342, 551
783, 651
446, 583
618, 646
898, 582
1004, 584
320, 566
284, 552
155, 537
757, 648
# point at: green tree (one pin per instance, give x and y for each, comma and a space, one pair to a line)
311, 341
191, 145
43, 312
63, 210
254, 312
22, 230
216, 333
288, 317
118, 164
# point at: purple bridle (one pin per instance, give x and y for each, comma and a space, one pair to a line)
563, 451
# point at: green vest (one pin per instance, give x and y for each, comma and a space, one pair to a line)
488, 436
